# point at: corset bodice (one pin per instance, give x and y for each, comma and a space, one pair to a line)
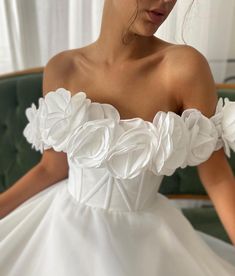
96, 187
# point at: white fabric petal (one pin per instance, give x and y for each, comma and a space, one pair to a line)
171, 143
203, 136
224, 119
132, 151
58, 115
33, 130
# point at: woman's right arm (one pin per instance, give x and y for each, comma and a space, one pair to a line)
52, 168
53, 165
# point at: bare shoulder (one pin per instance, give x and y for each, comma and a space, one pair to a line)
191, 78
57, 74
185, 61
58, 70
186, 50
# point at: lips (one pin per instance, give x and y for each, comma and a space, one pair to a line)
158, 12
156, 16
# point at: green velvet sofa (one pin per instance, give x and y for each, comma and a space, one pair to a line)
17, 92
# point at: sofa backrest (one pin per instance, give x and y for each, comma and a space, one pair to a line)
16, 156
19, 91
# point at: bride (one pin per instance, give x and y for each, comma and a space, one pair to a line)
115, 117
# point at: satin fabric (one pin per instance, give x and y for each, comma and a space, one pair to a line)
53, 234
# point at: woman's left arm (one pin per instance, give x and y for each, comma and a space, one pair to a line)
195, 88
219, 182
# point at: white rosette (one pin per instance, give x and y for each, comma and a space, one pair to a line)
203, 136
58, 114
132, 150
62, 113
32, 131
90, 143
170, 139
224, 120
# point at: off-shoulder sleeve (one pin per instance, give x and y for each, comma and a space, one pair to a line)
33, 131
207, 135
190, 139
224, 121
58, 114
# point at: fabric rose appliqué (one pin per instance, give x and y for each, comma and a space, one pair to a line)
89, 144
170, 143
32, 131
224, 121
62, 113
58, 114
203, 136
132, 151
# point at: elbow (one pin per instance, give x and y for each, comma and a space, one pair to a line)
55, 173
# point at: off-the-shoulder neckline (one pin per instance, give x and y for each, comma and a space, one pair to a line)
128, 119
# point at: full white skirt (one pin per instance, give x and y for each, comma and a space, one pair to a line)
52, 234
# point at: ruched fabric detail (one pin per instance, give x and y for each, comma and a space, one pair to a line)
93, 135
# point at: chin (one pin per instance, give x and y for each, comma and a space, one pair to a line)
146, 30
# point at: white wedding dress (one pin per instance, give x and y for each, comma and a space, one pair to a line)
108, 218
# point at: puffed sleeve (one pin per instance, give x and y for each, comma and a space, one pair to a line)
224, 121
57, 116
207, 135
190, 139
33, 130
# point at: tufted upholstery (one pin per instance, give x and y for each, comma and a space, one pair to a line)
16, 156
18, 91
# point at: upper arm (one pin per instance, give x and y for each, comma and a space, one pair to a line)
193, 81
195, 88
54, 76
56, 71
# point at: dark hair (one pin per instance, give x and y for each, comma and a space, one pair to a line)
131, 22
136, 13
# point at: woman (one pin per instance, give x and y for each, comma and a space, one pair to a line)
116, 116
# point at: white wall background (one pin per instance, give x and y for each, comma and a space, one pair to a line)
32, 31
